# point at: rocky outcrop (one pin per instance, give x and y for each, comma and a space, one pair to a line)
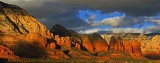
15, 21
112, 42
145, 41
63, 41
99, 44
117, 43
152, 50
6, 53
86, 42
17, 25
149, 45
51, 46
156, 42
92, 43
36, 40
133, 48
60, 30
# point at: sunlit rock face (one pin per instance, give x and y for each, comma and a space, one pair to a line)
149, 45
77, 45
86, 42
133, 48
92, 43
6, 53
16, 24
98, 42
16, 21
153, 51
156, 43
118, 43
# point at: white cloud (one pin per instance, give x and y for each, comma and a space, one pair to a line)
127, 30
122, 21
89, 31
113, 30
152, 29
153, 20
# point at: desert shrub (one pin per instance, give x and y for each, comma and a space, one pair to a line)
24, 49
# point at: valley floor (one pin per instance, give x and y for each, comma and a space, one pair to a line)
82, 60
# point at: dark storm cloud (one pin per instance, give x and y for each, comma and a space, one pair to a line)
64, 12
68, 19
131, 7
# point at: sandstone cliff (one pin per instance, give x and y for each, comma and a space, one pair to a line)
6, 53
118, 43
17, 25
16, 21
149, 45
92, 43
95, 44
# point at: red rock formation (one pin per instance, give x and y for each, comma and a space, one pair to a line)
63, 41
78, 46
86, 42
100, 45
152, 46
120, 45
36, 40
52, 46
19, 22
112, 42
68, 42
10, 40
128, 48
6, 53
137, 49
116, 44
133, 48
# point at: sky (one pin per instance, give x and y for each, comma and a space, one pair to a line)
96, 16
